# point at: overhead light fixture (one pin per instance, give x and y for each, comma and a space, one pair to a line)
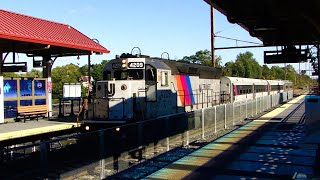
265, 29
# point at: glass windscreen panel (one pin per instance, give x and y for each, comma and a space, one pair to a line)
130, 74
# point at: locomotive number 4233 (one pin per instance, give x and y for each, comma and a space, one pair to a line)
136, 65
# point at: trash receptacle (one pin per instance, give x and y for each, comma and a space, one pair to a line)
312, 110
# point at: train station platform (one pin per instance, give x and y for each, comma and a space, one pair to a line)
20, 130
270, 147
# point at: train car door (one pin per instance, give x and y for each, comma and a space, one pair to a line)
151, 84
253, 92
102, 103
233, 92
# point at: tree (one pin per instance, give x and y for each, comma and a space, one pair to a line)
202, 57
277, 72
239, 69
64, 74
266, 72
97, 70
290, 73
229, 69
247, 66
34, 73
84, 70
10, 74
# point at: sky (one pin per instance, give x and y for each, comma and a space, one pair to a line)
178, 27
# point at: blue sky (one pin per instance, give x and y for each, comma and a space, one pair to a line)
178, 27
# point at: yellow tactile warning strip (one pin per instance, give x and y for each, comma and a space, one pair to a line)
36, 131
186, 165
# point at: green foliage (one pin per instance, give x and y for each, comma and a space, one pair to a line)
266, 72
64, 74
84, 70
290, 73
277, 73
247, 66
229, 68
203, 57
244, 66
33, 73
84, 91
10, 74
97, 70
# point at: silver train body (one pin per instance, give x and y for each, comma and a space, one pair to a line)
140, 88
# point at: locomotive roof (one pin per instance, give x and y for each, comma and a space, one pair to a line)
245, 81
202, 71
157, 64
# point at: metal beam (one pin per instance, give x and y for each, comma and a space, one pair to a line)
239, 47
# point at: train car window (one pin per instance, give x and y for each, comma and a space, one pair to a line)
106, 75
164, 78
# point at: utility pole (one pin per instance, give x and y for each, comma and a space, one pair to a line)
213, 61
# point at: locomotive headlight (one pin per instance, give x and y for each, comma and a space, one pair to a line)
124, 63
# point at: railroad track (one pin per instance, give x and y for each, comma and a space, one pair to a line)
297, 115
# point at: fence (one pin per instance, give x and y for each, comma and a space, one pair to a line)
102, 153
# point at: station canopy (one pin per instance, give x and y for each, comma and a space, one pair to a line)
36, 37
275, 22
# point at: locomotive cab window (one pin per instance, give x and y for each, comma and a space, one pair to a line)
151, 74
107, 75
131, 74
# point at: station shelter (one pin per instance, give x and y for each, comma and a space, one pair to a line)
39, 39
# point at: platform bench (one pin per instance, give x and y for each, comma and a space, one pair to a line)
32, 112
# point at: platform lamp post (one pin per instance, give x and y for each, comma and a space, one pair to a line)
212, 36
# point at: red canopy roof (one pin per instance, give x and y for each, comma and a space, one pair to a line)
24, 28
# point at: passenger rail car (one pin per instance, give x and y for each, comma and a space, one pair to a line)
241, 89
136, 88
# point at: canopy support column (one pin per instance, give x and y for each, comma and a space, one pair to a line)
89, 80
47, 62
318, 57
